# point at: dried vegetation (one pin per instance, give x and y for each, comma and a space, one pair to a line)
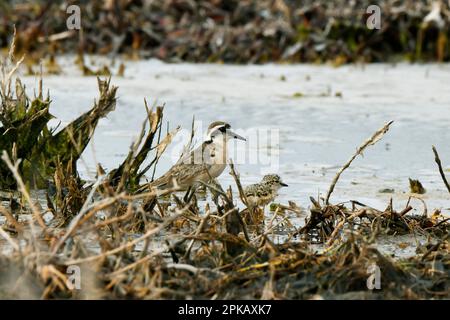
236, 31
133, 243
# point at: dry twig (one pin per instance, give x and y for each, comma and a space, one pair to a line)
371, 141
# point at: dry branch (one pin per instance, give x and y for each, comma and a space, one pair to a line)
371, 141
441, 170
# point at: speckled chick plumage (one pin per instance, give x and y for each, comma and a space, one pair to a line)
261, 194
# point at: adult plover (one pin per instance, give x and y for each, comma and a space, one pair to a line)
203, 164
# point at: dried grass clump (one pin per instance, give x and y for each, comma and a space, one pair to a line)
25, 135
252, 31
132, 243
187, 251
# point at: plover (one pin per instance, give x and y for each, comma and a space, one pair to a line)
261, 194
203, 164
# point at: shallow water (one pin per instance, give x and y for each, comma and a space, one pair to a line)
316, 117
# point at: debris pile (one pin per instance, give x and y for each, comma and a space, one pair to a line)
235, 31
111, 238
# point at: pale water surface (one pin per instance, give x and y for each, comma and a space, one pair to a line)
318, 115
318, 131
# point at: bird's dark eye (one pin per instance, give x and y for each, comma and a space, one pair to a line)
223, 129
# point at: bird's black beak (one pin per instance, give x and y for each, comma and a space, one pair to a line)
234, 135
283, 184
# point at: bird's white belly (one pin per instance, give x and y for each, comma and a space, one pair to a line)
216, 170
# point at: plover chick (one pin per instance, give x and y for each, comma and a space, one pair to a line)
261, 194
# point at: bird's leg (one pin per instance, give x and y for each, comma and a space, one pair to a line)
189, 194
256, 219
186, 197
263, 210
252, 213
149, 204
